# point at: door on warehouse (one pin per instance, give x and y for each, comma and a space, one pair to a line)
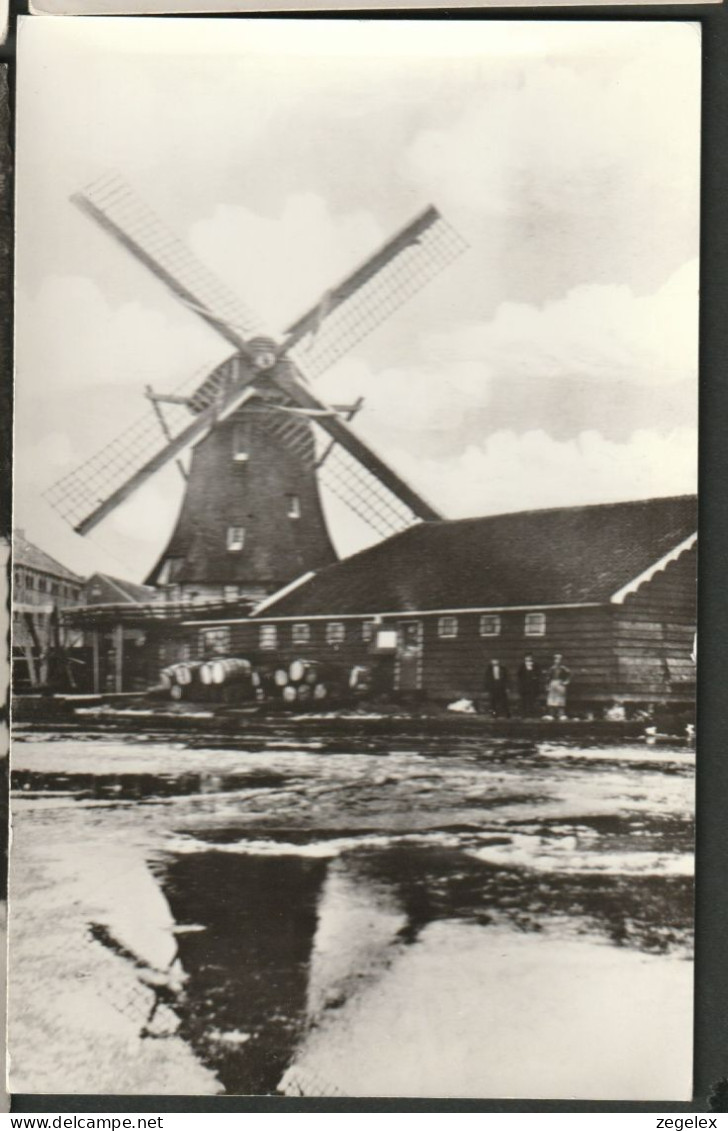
408, 662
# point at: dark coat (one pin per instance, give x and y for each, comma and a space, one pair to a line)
530, 680
499, 684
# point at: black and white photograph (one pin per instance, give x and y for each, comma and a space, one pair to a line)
354, 610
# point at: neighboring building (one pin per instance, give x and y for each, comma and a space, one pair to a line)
112, 617
132, 631
103, 589
41, 587
611, 587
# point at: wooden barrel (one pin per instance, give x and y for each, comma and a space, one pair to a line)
304, 692
289, 694
176, 691
313, 674
280, 677
304, 671
297, 670
224, 671
166, 677
320, 691
184, 674
206, 674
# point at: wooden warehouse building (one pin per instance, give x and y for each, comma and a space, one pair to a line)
612, 587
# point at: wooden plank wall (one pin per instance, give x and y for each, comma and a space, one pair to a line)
653, 634
637, 651
456, 666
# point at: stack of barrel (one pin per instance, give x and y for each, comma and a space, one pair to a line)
231, 679
298, 683
218, 680
180, 679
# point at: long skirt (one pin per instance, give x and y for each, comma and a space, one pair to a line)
556, 693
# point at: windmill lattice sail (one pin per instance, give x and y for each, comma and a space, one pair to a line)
340, 474
361, 491
114, 205
272, 381
85, 487
349, 312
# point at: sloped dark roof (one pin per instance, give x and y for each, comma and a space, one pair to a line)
568, 555
116, 590
30, 556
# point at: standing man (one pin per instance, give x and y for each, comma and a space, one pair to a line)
496, 685
529, 685
558, 679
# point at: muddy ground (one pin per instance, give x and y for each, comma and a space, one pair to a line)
308, 914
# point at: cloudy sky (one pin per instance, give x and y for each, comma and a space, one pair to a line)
554, 363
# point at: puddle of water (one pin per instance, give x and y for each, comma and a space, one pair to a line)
398, 921
284, 942
139, 786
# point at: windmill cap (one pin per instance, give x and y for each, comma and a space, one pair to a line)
263, 352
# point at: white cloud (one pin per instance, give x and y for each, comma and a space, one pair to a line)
557, 137
88, 341
284, 263
517, 472
595, 332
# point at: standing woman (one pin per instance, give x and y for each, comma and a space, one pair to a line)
558, 679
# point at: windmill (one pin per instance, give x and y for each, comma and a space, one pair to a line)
262, 442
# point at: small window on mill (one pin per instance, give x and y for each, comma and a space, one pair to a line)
535, 624
490, 625
235, 538
240, 444
294, 506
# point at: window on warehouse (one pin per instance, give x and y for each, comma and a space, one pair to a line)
268, 636
335, 632
535, 624
215, 641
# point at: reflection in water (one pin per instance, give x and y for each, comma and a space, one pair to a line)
246, 996
419, 919
301, 955
360, 919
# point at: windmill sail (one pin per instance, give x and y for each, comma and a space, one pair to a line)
363, 493
351, 470
116, 208
368, 296
79, 494
341, 474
